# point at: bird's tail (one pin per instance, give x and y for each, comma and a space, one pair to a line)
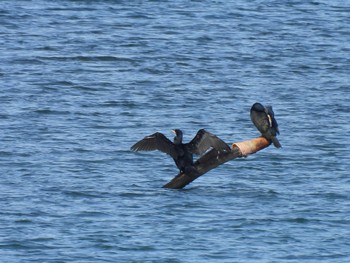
275, 142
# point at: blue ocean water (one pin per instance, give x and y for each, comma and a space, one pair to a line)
82, 81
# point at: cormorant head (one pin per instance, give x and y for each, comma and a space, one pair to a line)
178, 136
258, 107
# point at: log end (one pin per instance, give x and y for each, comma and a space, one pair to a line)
251, 146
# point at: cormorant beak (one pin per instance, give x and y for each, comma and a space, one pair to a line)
173, 131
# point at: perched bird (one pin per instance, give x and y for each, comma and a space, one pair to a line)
182, 153
264, 120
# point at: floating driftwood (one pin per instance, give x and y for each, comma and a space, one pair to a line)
213, 159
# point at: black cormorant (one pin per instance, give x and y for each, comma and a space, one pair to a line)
182, 153
264, 120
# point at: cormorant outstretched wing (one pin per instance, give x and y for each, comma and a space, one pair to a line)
205, 140
156, 141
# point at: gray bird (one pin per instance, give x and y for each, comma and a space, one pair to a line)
182, 153
264, 120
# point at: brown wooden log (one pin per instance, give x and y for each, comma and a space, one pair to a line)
213, 159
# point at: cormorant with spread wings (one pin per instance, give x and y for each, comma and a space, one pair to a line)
182, 153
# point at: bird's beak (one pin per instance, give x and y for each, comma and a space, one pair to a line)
173, 131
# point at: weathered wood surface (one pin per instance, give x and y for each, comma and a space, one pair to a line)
213, 159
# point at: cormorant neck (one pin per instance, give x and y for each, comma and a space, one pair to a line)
177, 140
178, 137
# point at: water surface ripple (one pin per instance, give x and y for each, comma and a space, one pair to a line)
81, 81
